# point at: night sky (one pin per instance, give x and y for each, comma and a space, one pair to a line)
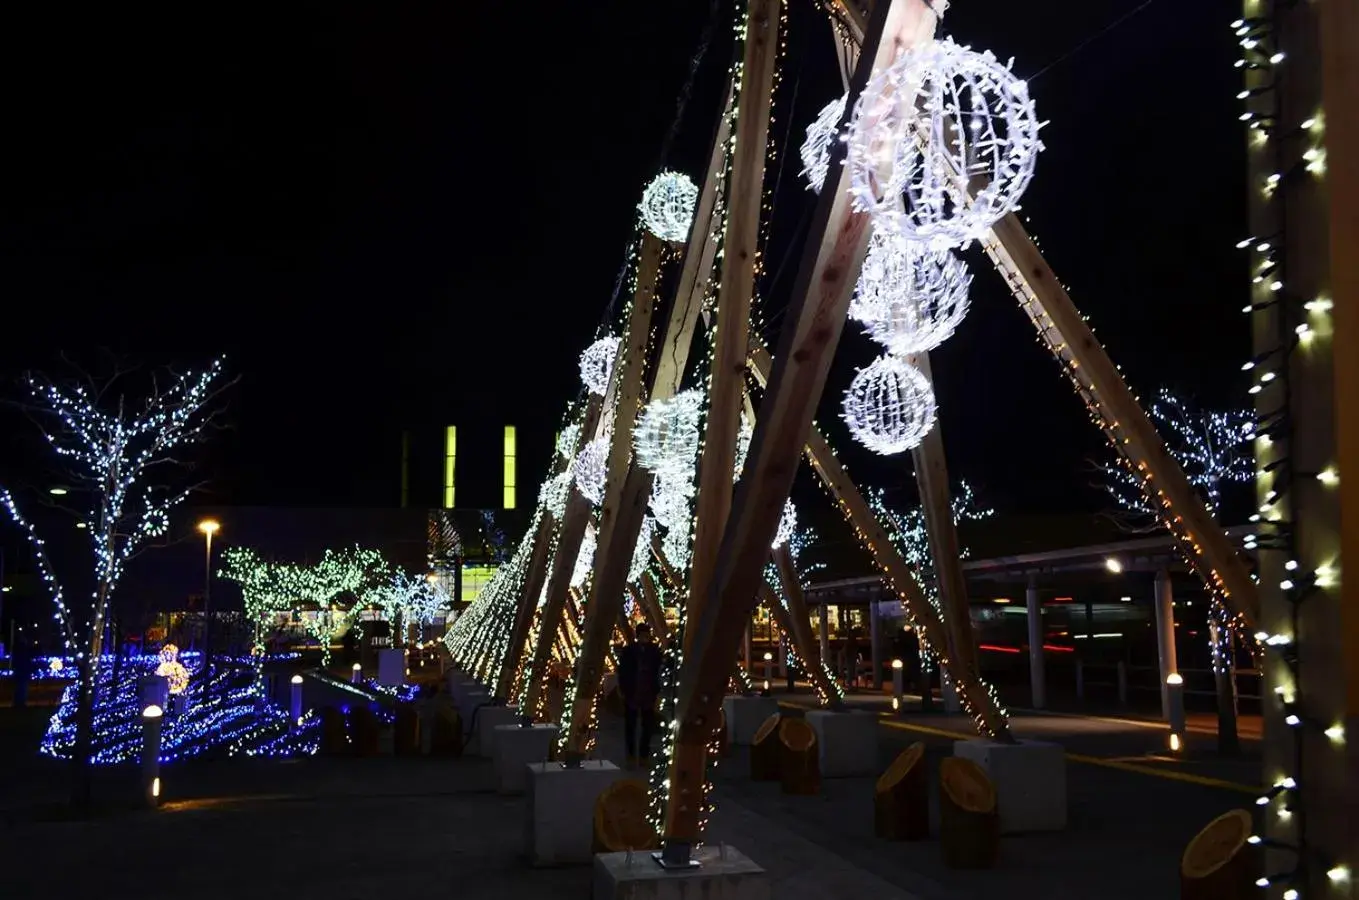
399, 216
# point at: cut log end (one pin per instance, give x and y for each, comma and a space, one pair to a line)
1220, 862
764, 751
901, 799
799, 758
620, 819
969, 827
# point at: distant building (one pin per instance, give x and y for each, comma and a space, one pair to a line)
470, 467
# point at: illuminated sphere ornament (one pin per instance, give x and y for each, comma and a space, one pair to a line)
590, 469
175, 675
743, 438
787, 525
641, 553
939, 118
596, 364
168, 653
555, 492
567, 440
821, 137
666, 436
667, 206
889, 406
910, 297
585, 558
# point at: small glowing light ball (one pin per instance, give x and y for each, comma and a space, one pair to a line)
590, 469
556, 490
787, 525
938, 119
55, 665
168, 653
666, 436
667, 206
910, 298
596, 364
641, 553
175, 675
889, 406
821, 136
567, 440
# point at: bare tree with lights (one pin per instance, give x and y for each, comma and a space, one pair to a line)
118, 456
1213, 447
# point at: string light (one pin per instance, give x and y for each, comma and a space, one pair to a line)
591, 468
821, 136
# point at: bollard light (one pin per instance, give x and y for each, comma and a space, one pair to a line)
357, 674
152, 716
768, 670
1175, 710
898, 685
296, 705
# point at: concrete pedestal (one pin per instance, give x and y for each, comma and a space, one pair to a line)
468, 702
847, 742
1030, 780
723, 873
391, 667
488, 718
745, 715
515, 748
560, 810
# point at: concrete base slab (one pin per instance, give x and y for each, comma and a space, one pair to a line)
847, 741
1030, 780
488, 719
723, 873
515, 748
559, 829
745, 715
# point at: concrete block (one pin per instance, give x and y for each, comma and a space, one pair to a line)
723, 873
847, 742
561, 808
515, 748
391, 667
468, 704
745, 715
487, 718
1030, 780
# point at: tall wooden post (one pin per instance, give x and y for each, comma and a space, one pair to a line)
837, 243
800, 627
740, 255
528, 603
1304, 192
620, 517
569, 536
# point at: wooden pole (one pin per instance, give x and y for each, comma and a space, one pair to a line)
897, 573
800, 627
740, 257
621, 513
837, 243
651, 607
569, 536
528, 603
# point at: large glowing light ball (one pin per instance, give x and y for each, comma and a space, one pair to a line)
590, 469
666, 436
667, 206
596, 364
939, 122
889, 406
175, 675
787, 525
821, 137
910, 297
567, 440
554, 494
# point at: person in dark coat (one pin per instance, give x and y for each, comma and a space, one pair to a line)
639, 681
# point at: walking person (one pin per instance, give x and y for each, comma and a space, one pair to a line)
639, 680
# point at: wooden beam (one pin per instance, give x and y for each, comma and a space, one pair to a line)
528, 602
622, 509
740, 257
644, 595
569, 535
800, 627
837, 242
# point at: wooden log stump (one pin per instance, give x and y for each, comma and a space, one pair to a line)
620, 820
406, 731
901, 798
764, 751
365, 731
799, 758
334, 732
969, 825
1220, 863
445, 737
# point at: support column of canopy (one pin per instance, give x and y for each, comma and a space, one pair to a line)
528, 602
800, 628
837, 243
651, 607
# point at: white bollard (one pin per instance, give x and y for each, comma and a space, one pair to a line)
357, 674
768, 671
1175, 710
296, 706
898, 686
151, 721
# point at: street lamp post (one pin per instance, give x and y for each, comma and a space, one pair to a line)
208, 527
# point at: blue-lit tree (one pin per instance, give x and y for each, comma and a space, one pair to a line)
114, 451
1212, 446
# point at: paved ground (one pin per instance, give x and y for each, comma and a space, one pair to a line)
363, 828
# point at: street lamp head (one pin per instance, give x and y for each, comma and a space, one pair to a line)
57, 491
209, 526
1113, 565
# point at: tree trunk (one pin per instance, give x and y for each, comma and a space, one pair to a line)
84, 736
